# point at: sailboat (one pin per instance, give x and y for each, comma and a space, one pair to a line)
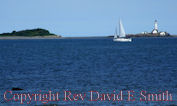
122, 36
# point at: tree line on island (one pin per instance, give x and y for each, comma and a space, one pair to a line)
30, 33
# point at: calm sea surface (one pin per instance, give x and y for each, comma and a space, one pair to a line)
82, 65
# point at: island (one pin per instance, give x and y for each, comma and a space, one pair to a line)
29, 33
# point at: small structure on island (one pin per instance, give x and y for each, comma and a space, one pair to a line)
163, 33
144, 32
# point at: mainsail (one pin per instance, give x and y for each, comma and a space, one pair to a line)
121, 30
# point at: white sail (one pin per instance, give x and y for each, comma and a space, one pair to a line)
115, 35
121, 30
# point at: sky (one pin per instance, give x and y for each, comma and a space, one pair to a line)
88, 17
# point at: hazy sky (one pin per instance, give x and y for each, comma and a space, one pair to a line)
88, 17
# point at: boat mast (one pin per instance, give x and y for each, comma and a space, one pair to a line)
115, 35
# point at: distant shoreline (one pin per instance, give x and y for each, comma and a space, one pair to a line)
58, 37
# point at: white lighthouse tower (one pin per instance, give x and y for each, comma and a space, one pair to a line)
155, 30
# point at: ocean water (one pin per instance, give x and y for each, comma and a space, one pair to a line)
83, 65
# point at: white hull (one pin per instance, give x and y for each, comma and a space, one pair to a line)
122, 39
